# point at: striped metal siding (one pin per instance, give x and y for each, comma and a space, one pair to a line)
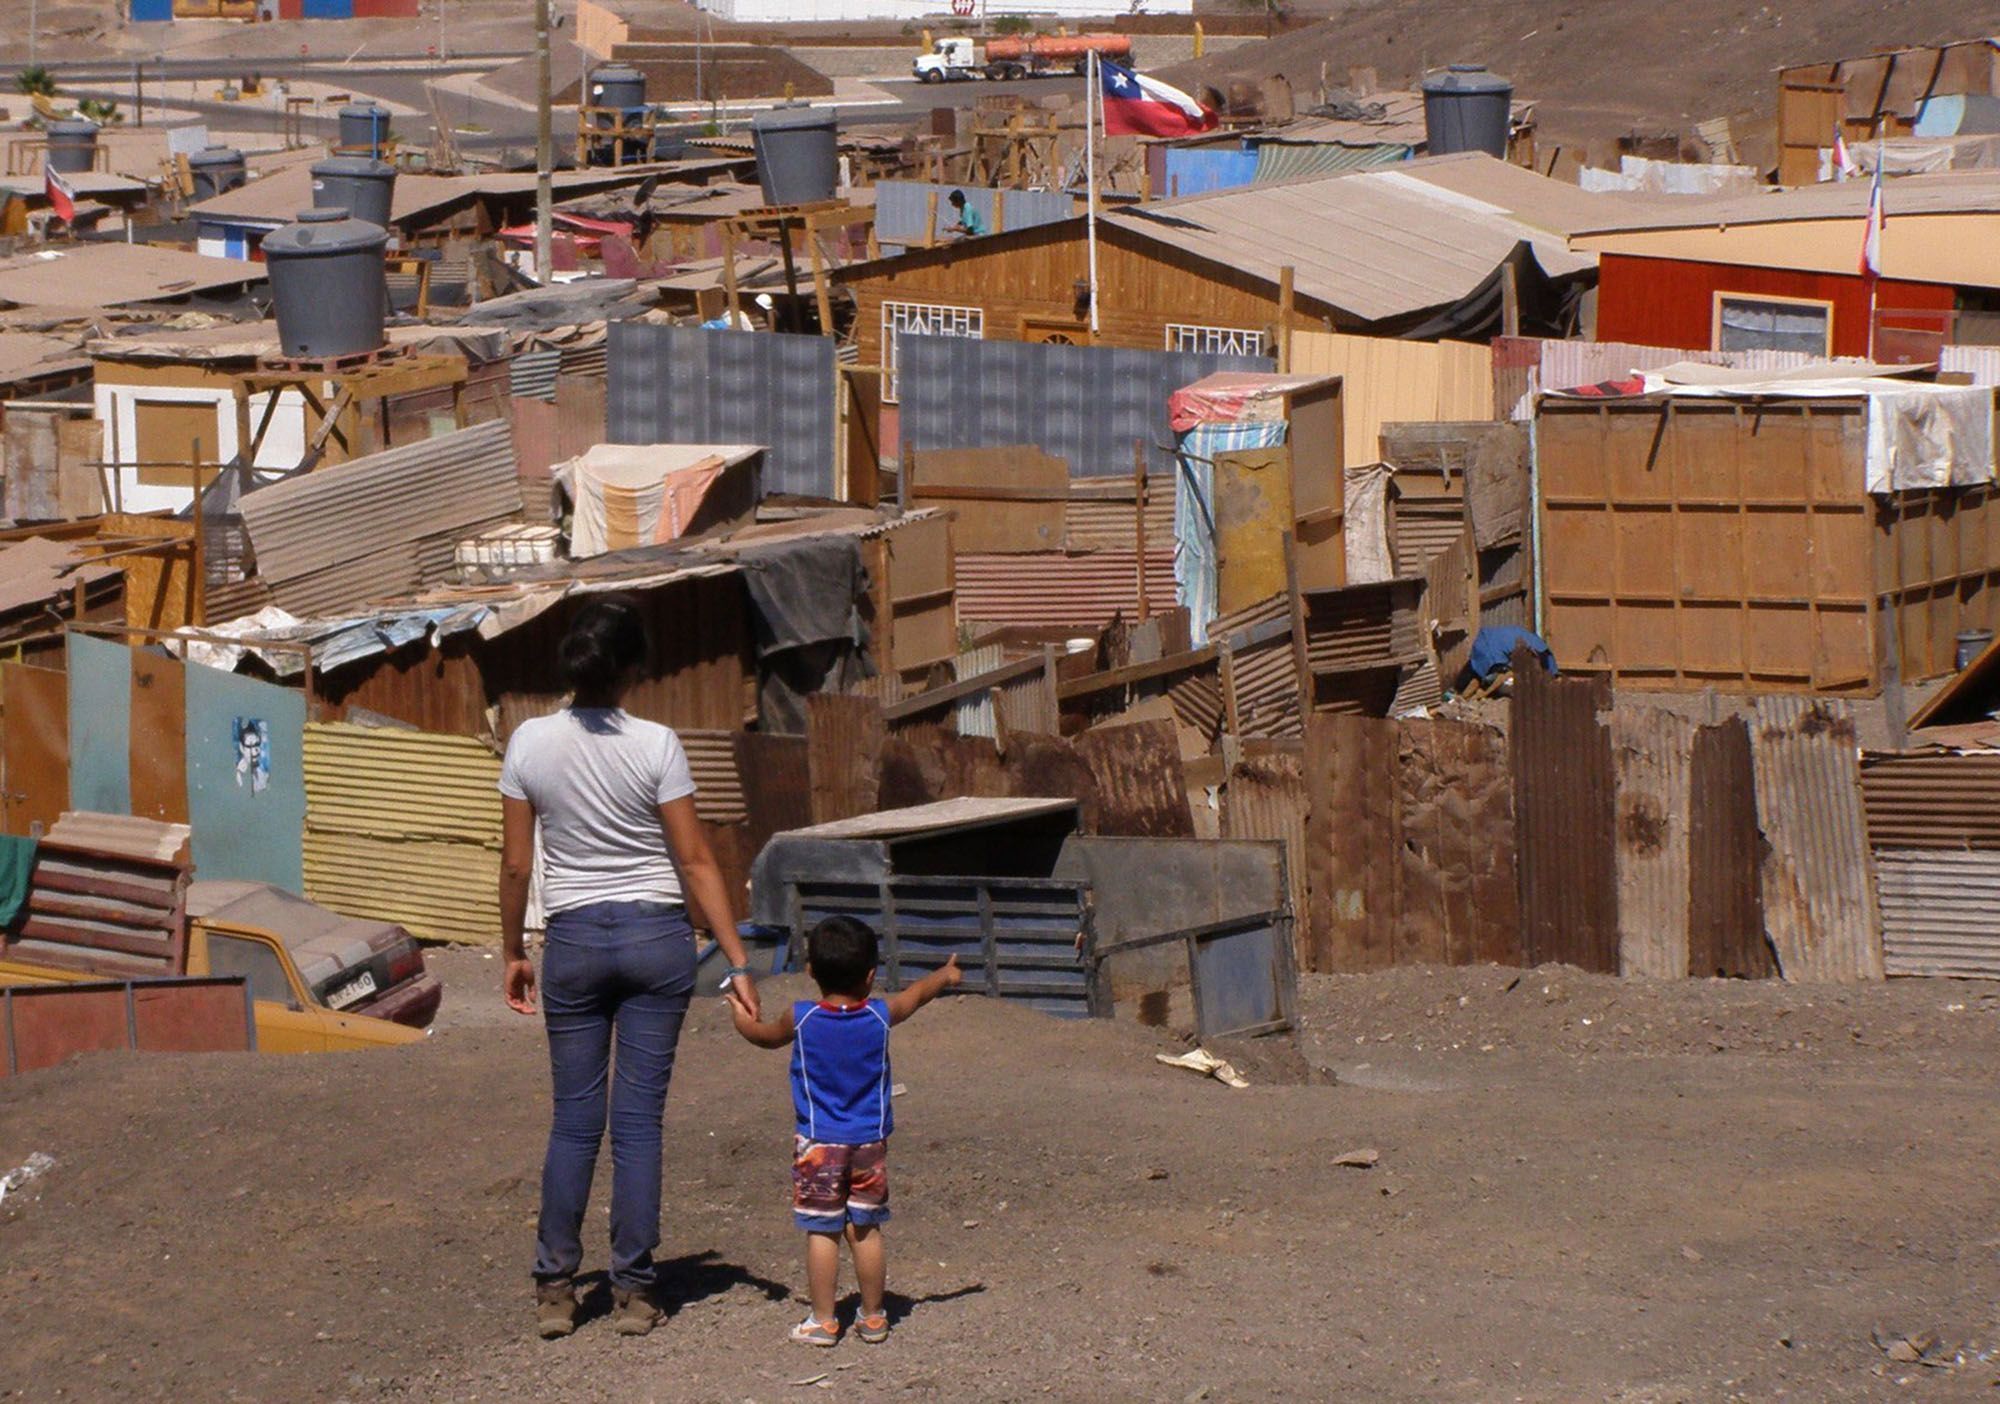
404, 826
718, 786
1080, 591
532, 375
1084, 404
1565, 821
1099, 515
900, 206
683, 385
1932, 801
1819, 901
370, 528
1364, 626
1940, 912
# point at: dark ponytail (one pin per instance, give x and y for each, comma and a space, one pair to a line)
606, 641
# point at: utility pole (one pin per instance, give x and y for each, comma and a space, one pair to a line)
440, 31
33, 14
544, 152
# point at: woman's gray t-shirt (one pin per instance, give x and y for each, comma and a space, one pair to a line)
596, 778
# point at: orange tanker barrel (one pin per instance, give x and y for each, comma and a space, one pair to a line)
1011, 48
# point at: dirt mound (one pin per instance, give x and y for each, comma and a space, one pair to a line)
1599, 68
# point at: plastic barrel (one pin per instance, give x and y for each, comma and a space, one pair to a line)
361, 185
798, 159
1467, 109
215, 169
328, 284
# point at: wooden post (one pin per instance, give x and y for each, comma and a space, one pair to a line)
791, 272
821, 297
1285, 305
1510, 300
930, 221
729, 274
1139, 522
1231, 720
197, 565
1051, 694
1301, 662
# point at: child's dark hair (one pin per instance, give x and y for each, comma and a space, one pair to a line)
840, 953
605, 642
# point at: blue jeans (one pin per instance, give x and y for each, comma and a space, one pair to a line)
628, 968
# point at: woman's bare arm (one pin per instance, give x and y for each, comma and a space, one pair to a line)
517, 870
707, 892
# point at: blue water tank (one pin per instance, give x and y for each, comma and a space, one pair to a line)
1467, 109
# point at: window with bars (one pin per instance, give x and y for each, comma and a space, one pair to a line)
922, 319
1223, 341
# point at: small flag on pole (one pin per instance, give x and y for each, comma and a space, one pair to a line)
1135, 105
1871, 237
62, 195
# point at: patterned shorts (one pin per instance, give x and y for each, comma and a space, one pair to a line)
834, 1186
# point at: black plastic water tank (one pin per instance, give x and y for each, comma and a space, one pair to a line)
1467, 109
617, 85
364, 127
798, 159
72, 145
361, 185
328, 283
215, 169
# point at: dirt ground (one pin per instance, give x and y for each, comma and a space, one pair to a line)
1584, 1190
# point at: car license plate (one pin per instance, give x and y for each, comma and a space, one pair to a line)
359, 988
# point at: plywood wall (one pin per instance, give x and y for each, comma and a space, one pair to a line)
1385, 381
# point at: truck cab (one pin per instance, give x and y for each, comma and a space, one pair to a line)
948, 58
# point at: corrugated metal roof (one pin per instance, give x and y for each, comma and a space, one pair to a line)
1373, 244
404, 826
343, 535
1932, 801
37, 570
1940, 912
1082, 590
1819, 904
941, 816
126, 834
1284, 161
1650, 751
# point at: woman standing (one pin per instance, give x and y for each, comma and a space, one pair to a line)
623, 856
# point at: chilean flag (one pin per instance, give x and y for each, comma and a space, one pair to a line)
62, 195
1135, 105
1871, 235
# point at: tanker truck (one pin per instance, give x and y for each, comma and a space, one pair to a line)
1016, 56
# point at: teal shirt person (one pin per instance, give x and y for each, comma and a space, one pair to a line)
967, 224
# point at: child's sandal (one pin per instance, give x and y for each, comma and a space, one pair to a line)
818, 1333
873, 1329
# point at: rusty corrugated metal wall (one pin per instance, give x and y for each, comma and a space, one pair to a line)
1934, 826
1725, 859
1819, 897
1082, 591
404, 826
1940, 912
1565, 812
1266, 799
718, 789
1650, 750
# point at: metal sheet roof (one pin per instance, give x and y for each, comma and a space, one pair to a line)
943, 816
332, 539
37, 570
278, 197
1375, 244
113, 275
1944, 193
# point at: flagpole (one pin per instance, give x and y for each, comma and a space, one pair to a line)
1093, 102
1875, 271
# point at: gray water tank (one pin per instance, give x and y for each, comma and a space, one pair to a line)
1467, 109
215, 169
798, 160
72, 145
364, 127
328, 283
361, 185
617, 85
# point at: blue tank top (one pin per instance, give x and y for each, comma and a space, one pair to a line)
840, 1072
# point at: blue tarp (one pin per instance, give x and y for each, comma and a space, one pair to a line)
1201, 169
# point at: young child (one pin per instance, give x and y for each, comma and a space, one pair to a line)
840, 1093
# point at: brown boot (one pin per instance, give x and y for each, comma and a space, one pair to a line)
632, 1311
555, 1309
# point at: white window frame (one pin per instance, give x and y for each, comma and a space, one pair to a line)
1220, 341
923, 319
